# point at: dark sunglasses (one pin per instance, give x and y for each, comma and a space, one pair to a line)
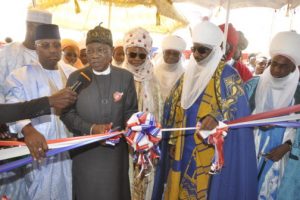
142, 56
201, 50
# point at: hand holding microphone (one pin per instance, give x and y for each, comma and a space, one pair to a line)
68, 96
63, 98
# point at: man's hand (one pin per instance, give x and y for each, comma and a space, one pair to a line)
172, 149
209, 123
35, 142
62, 98
277, 153
101, 128
4, 134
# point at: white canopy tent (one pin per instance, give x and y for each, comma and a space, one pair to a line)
281, 13
276, 4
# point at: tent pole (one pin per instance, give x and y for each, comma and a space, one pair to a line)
33, 3
109, 13
226, 26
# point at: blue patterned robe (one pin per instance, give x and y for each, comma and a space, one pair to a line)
266, 140
290, 184
237, 180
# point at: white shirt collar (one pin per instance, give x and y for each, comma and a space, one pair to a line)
105, 72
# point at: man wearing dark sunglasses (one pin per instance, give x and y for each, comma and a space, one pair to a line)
137, 46
209, 91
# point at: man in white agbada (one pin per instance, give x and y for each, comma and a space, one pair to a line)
45, 178
13, 56
17, 54
274, 89
169, 67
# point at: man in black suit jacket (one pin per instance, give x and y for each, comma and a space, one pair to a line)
101, 171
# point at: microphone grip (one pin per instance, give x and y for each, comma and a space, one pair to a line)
75, 86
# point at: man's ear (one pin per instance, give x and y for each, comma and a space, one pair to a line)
35, 47
294, 67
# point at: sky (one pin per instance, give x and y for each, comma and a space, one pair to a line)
259, 25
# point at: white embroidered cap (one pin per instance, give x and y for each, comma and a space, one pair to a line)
40, 16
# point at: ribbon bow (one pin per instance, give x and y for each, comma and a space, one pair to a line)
143, 135
216, 138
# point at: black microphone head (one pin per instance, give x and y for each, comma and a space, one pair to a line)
84, 80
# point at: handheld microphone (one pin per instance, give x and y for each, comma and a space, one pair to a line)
83, 81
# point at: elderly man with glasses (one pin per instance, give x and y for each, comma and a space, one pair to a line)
100, 171
209, 91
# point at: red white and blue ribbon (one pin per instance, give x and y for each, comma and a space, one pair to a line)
55, 147
143, 135
217, 135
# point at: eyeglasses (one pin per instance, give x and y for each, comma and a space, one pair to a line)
101, 51
200, 50
141, 56
47, 45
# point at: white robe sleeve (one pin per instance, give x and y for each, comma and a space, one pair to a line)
3, 73
15, 92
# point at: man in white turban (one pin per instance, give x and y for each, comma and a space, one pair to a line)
274, 89
209, 91
118, 54
169, 67
137, 47
13, 56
